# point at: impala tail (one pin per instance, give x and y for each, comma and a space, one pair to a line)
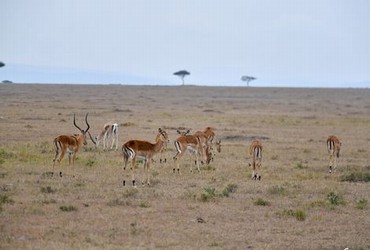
128, 153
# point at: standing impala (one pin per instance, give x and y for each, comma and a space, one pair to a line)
145, 150
333, 144
190, 143
70, 144
255, 151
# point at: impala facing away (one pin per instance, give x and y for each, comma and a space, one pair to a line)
193, 144
333, 144
145, 150
255, 151
109, 131
70, 144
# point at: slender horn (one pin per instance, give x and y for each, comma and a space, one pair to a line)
92, 139
74, 122
88, 125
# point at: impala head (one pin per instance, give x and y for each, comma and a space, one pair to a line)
83, 132
163, 136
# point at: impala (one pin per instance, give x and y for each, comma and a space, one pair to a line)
145, 150
255, 151
333, 145
70, 144
191, 143
109, 131
206, 138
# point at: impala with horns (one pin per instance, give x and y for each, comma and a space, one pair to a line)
70, 144
192, 144
333, 145
255, 151
109, 132
134, 149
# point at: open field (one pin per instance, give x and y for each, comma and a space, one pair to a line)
296, 205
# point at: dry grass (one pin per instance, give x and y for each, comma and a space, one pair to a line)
297, 204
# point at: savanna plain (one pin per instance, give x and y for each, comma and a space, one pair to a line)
296, 205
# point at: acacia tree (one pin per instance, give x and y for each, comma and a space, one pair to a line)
182, 74
2, 64
247, 79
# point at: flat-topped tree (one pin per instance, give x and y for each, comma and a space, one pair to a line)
182, 74
247, 79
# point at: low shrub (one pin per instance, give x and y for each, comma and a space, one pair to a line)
69, 208
47, 190
208, 194
230, 188
361, 204
335, 199
357, 177
261, 202
298, 214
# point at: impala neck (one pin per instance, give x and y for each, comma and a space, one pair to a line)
158, 144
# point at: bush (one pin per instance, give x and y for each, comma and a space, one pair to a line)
361, 204
69, 208
230, 188
47, 190
300, 215
357, 177
261, 202
208, 194
335, 199
5, 199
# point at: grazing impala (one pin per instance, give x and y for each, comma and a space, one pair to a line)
109, 131
70, 144
206, 138
333, 144
191, 143
255, 151
143, 149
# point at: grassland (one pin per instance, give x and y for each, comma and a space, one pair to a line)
296, 205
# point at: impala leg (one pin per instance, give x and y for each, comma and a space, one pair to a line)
147, 172
133, 171
57, 151
197, 163
177, 159
63, 151
73, 163
330, 163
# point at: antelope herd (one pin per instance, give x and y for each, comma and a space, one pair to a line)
200, 144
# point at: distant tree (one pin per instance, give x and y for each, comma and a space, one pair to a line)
247, 79
2, 64
182, 74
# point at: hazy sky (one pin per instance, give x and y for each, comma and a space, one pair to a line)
280, 42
